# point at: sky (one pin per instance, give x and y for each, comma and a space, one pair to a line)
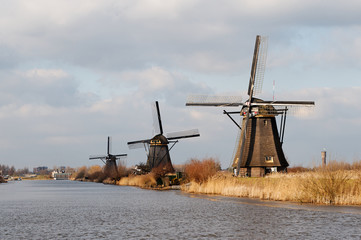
74, 72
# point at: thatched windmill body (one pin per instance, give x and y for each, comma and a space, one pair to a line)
259, 145
110, 161
157, 147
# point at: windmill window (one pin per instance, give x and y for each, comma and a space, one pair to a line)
155, 142
269, 159
265, 122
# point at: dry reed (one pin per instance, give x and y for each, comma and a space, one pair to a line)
332, 184
143, 181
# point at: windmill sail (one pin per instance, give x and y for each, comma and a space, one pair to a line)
285, 103
278, 107
109, 148
261, 66
157, 122
254, 66
138, 144
258, 66
118, 156
217, 101
92, 157
183, 134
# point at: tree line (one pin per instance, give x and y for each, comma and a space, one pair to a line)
11, 171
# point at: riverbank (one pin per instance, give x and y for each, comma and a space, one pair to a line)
323, 186
143, 181
337, 183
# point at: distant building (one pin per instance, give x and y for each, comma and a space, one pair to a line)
40, 169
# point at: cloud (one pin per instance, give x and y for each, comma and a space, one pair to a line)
42, 86
125, 35
154, 83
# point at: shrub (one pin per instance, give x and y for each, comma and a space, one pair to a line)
96, 174
162, 170
80, 173
2, 180
123, 170
199, 171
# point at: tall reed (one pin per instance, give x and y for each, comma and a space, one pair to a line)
144, 181
329, 185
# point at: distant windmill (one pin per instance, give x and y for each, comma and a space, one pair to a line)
157, 147
259, 147
110, 160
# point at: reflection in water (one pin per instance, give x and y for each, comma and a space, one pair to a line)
77, 210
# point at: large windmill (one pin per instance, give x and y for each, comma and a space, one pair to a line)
157, 147
259, 146
110, 160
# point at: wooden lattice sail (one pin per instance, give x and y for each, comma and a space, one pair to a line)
259, 147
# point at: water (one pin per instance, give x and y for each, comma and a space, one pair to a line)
78, 210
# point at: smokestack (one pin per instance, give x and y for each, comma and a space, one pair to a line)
323, 156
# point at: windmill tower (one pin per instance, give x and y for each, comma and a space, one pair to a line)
110, 161
157, 147
259, 147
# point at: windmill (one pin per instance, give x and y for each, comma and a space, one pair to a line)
259, 147
157, 147
110, 160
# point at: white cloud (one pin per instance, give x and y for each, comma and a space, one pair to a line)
152, 79
46, 75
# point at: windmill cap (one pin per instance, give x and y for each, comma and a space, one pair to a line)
160, 138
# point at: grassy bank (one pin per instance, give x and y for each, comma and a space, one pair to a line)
321, 186
337, 183
143, 181
38, 177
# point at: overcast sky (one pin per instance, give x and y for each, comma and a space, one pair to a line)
74, 72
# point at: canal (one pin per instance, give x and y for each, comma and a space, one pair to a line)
80, 210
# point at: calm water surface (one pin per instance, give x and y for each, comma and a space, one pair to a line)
78, 210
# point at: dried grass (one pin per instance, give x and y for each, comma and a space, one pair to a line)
144, 181
329, 185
